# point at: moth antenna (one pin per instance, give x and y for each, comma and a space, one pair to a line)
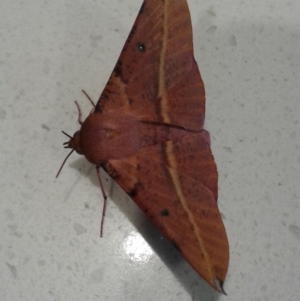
66, 135
104, 202
79, 113
64, 162
88, 97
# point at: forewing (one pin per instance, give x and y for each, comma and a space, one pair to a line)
175, 184
156, 77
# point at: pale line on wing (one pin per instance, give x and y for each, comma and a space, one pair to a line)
161, 76
172, 168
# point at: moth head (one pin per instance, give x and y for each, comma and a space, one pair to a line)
74, 144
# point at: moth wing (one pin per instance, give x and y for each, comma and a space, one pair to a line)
175, 184
156, 78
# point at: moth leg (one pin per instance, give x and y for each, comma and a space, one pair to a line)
88, 97
79, 113
104, 200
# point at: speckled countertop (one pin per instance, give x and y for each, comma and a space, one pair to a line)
248, 54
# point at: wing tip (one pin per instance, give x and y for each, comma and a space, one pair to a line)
219, 286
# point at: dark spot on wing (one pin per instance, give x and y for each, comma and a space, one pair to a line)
115, 175
176, 245
142, 8
164, 212
131, 34
118, 68
135, 189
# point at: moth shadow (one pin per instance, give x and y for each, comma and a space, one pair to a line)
191, 281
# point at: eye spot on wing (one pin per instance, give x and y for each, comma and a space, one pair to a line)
141, 47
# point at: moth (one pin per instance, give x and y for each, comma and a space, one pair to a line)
146, 131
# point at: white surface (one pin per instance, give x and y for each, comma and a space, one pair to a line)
248, 54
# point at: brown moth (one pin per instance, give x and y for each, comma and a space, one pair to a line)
146, 132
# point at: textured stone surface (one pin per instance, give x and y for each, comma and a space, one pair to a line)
50, 249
